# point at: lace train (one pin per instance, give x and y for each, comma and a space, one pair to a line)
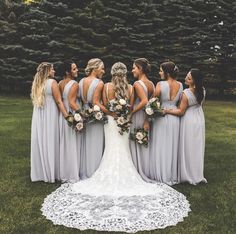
106, 213
115, 198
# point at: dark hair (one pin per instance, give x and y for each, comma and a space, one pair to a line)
170, 68
198, 82
143, 64
65, 67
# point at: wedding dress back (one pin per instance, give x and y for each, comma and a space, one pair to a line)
116, 175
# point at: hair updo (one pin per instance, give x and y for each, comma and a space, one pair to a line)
93, 64
170, 68
143, 64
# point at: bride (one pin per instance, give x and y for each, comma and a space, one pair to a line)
116, 198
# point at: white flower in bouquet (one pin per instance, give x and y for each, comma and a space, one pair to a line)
90, 110
121, 120
158, 104
152, 100
79, 126
140, 142
139, 136
98, 115
122, 102
113, 101
128, 124
96, 108
118, 107
149, 111
77, 117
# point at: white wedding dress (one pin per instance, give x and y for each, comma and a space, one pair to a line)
115, 198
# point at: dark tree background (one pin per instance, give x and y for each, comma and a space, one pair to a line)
193, 33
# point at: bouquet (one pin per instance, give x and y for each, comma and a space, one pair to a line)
122, 109
153, 108
92, 114
76, 121
140, 135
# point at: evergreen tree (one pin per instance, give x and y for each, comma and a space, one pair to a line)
194, 33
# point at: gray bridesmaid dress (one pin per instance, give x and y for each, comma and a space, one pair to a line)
191, 142
92, 145
164, 140
70, 143
140, 154
45, 139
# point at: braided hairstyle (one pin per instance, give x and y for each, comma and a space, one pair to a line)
119, 80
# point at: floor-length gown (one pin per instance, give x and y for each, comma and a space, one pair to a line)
92, 145
191, 142
140, 154
45, 139
115, 198
70, 144
165, 139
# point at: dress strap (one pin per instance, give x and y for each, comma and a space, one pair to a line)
91, 90
144, 86
67, 88
107, 92
132, 90
48, 85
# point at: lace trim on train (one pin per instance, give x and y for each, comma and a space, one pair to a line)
106, 213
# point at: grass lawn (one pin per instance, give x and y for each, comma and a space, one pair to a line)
213, 205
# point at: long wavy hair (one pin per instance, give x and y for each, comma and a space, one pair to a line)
119, 80
38, 86
93, 64
198, 83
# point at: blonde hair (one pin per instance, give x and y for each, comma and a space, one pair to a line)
38, 86
119, 80
93, 64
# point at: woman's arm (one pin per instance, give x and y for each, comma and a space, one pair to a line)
57, 97
181, 109
98, 94
157, 92
141, 95
104, 95
105, 100
72, 97
131, 94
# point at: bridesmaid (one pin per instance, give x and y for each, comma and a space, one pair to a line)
90, 89
192, 130
46, 99
165, 131
70, 141
144, 89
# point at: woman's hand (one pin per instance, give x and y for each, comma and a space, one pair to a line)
165, 111
146, 125
70, 119
114, 115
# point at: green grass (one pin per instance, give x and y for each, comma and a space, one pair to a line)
213, 205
